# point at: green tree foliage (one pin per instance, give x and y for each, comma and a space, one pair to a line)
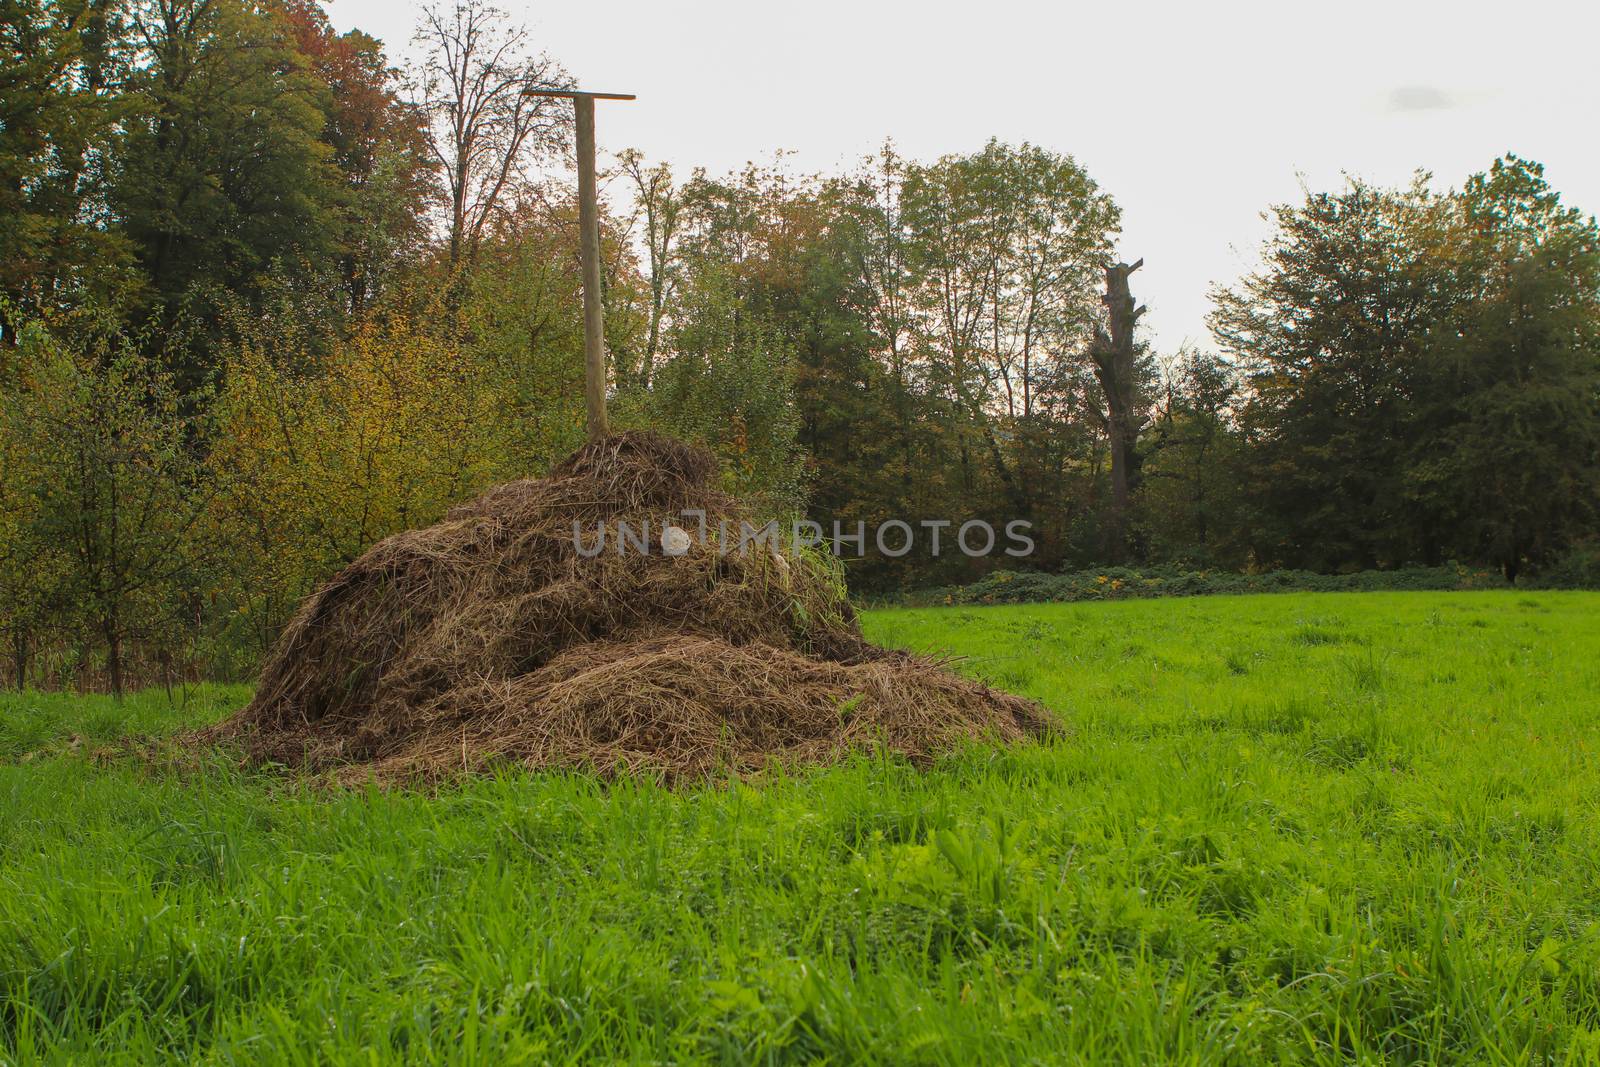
723, 372
58, 103
114, 491
521, 318
1190, 506
1330, 332
222, 172
1505, 460
1422, 372
31, 562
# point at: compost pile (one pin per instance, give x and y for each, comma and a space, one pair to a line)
490, 638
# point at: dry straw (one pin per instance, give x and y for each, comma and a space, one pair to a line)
488, 638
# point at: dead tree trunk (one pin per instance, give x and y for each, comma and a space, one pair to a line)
1115, 354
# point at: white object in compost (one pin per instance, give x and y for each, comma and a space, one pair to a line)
675, 541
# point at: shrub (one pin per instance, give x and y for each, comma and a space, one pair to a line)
1128, 583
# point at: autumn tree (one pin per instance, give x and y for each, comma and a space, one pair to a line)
330, 453
377, 143
485, 133
1005, 248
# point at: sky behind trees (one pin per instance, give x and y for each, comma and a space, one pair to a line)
1193, 116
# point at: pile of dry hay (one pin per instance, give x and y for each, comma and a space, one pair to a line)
489, 637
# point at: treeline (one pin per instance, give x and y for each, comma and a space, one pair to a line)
266, 298
1411, 377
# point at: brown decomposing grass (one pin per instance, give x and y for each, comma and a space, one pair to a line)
489, 638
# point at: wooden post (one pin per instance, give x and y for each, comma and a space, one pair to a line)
594, 337
594, 325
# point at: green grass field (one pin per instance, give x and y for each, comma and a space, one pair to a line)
1299, 828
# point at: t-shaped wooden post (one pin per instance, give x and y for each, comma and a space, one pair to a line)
594, 334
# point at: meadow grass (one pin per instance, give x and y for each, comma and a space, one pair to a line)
1319, 828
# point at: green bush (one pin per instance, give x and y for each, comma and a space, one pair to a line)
1579, 568
1129, 583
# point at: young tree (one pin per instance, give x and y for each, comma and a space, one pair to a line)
729, 384
328, 454
125, 486
658, 202
30, 561
1188, 501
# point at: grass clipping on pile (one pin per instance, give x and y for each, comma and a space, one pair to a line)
489, 638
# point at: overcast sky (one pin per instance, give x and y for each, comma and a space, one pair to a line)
1195, 116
